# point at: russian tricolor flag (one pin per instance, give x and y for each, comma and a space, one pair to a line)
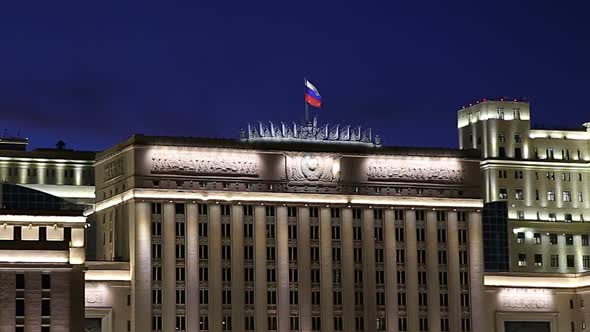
312, 96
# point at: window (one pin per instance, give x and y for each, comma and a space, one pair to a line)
552, 217
422, 299
569, 239
292, 232
378, 233
550, 175
538, 260
337, 298
316, 323
519, 194
423, 324
567, 217
421, 277
249, 323
180, 249
358, 298
569, 260
580, 197
551, 195
585, 239
401, 277
444, 299
420, 234
294, 323
270, 211
226, 230
401, 299
537, 237
554, 260
501, 138
335, 212
503, 193
179, 208
204, 296
226, 323
585, 261
520, 237
399, 234
521, 259
442, 257
442, 235
402, 324
291, 211
421, 256
46, 280
552, 238
204, 323
518, 174
567, 196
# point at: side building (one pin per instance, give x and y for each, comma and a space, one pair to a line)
41, 262
61, 172
292, 232
536, 192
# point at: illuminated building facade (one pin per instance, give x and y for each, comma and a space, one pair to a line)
292, 229
41, 262
535, 189
61, 172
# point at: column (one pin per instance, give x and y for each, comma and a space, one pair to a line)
215, 286
411, 272
60, 301
476, 269
168, 267
260, 305
326, 285
141, 263
370, 302
192, 268
7, 301
304, 266
77, 299
433, 287
347, 271
454, 286
389, 247
32, 301
282, 247
237, 268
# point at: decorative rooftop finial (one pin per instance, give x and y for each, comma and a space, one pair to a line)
587, 125
310, 132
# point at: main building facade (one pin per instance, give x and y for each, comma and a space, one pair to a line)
291, 232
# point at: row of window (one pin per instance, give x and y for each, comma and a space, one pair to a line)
338, 321
569, 238
554, 261
248, 210
566, 195
518, 175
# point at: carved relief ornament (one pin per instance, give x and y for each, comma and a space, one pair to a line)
312, 167
206, 163
392, 169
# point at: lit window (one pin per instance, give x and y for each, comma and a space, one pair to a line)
521, 259
503, 193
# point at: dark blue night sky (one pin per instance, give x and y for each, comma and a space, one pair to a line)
92, 75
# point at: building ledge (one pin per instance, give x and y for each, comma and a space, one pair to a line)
107, 271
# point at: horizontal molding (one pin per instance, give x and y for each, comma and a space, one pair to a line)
223, 196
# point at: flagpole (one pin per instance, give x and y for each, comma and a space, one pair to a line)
305, 101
